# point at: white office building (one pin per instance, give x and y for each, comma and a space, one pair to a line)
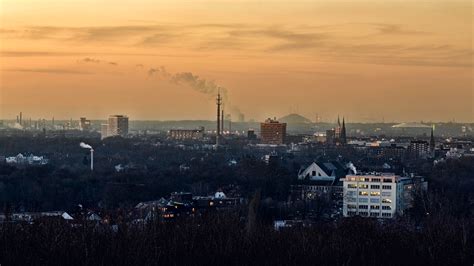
379, 195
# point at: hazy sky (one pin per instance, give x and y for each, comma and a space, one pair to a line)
163, 59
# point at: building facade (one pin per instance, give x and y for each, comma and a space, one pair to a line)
419, 149
273, 132
379, 195
84, 124
186, 134
117, 126
320, 179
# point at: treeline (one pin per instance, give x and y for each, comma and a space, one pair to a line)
50, 187
226, 240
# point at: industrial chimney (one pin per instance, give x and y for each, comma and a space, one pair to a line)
87, 146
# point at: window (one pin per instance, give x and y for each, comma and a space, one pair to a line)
351, 206
386, 187
351, 213
374, 186
374, 207
375, 179
387, 180
313, 173
350, 199
374, 193
386, 194
363, 213
386, 208
352, 186
362, 179
386, 201
376, 200
363, 193
386, 215
364, 207
363, 200
363, 186
374, 214
351, 193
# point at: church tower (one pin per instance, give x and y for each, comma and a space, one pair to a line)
343, 132
432, 142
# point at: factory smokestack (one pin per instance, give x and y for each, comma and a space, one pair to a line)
87, 146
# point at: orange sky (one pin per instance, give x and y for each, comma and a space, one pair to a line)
396, 60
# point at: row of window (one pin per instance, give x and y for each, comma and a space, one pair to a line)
366, 200
366, 179
372, 193
372, 214
365, 186
366, 207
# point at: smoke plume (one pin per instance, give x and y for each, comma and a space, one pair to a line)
207, 87
85, 146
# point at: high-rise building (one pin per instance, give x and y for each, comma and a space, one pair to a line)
273, 132
117, 126
419, 149
251, 135
84, 124
103, 130
379, 195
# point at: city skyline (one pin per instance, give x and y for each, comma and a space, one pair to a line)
393, 61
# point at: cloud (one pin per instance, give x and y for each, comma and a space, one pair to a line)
158, 39
90, 60
393, 29
97, 61
54, 54
36, 53
48, 71
346, 43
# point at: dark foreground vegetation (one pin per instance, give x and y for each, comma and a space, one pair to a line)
439, 230
226, 240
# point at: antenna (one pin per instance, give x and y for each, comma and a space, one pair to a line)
219, 103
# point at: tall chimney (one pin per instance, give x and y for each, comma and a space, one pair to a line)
21, 117
92, 159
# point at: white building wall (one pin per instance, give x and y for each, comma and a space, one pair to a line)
370, 196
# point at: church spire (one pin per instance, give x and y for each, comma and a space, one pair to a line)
432, 140
343, 131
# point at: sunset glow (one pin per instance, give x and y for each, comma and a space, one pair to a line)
400, 60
